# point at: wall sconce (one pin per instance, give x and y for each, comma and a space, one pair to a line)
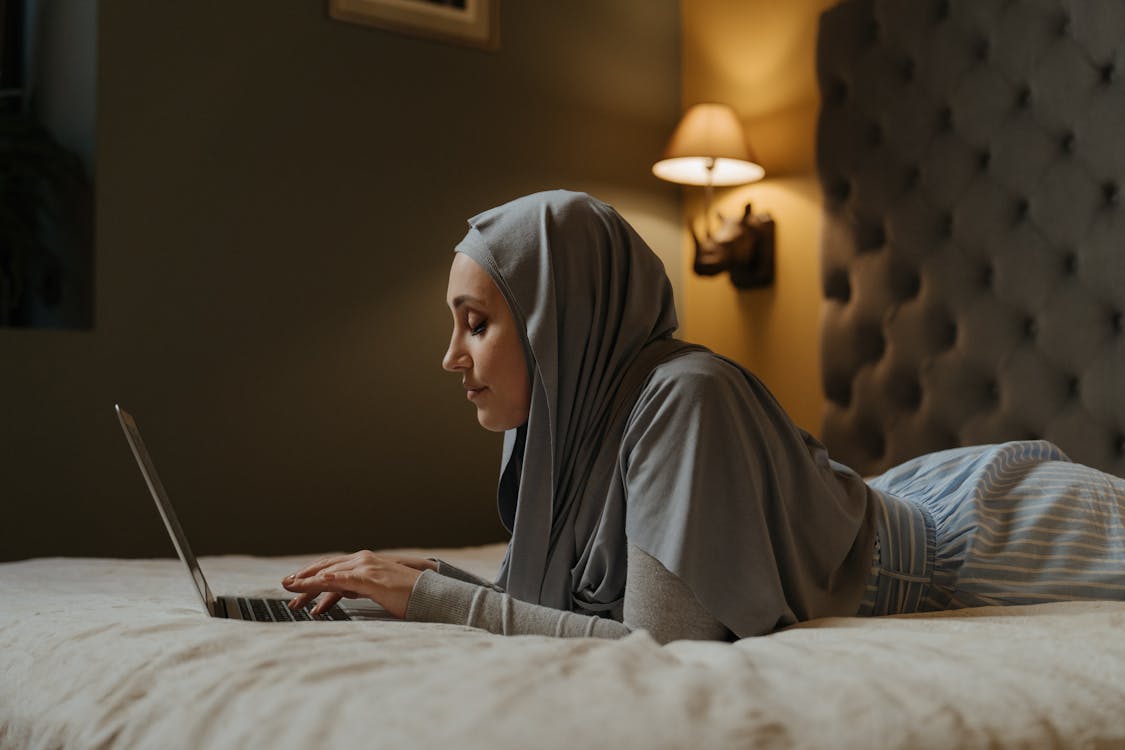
708, 148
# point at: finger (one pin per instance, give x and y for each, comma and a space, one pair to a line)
316, 567
418, 563
321, 582
348, 581
353, 576
346, 561
325, 603
297, 585
301, 600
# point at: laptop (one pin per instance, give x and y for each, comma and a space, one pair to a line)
229, 607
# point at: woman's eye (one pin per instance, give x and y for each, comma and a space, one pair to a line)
478, 329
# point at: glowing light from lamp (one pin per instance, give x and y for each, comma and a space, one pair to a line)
708, 147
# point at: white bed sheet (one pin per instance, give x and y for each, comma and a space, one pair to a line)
117, 653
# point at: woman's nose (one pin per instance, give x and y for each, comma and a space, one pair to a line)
455, 358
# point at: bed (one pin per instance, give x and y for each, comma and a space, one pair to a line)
142, 667
970, 155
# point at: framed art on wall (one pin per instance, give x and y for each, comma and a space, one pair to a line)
471, 22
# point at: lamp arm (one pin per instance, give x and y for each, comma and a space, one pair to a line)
708, 195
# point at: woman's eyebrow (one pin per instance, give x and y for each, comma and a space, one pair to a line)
461, 299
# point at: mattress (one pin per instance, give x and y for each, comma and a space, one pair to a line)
118, 653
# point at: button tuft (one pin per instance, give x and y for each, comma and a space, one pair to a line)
945, 119
906, 69
1110, 193
986, 276
949, 338
913, 177
945, 225
1070, 263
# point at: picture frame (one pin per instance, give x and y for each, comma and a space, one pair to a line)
475, 23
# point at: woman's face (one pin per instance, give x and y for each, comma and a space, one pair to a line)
485, 348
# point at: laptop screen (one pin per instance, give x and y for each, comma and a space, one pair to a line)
164, 505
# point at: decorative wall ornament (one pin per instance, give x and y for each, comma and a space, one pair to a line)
709, 148
475, 23
742, 246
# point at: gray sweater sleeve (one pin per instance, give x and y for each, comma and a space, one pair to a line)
452, 571
655, 600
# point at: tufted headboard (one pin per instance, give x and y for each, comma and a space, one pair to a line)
972, 159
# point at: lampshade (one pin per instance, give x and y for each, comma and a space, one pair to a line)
708, 135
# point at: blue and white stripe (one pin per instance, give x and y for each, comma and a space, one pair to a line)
1015, 523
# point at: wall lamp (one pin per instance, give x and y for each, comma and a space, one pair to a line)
708, 148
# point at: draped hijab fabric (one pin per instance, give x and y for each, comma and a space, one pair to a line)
596, 313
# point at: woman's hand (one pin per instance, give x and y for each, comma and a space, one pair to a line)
385, 580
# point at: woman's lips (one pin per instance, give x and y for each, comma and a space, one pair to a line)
472, 393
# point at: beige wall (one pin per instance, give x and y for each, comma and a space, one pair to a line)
759, 56
278, 195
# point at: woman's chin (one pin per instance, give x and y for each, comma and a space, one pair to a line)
490, 424
497, 423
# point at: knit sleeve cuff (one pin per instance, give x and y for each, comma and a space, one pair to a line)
440, 598
452, 571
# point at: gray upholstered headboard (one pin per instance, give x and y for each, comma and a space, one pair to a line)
972, 159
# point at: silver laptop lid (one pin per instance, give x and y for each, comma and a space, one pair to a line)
164, 505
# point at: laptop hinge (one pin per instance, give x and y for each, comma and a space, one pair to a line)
221, 607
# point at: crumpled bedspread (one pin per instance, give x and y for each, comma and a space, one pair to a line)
117, 653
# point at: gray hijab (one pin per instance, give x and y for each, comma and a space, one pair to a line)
596, 311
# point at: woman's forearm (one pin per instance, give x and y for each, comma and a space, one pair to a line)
438, 598
655, 600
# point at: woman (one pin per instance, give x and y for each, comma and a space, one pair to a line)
649, 483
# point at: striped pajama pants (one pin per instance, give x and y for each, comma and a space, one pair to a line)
1015, 523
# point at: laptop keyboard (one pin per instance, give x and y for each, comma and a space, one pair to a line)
275, 610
